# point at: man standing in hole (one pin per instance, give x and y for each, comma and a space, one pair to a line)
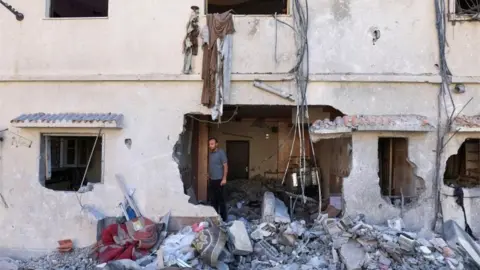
217, 174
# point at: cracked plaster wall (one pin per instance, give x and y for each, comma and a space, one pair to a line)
450, 208
41, 49
120, 45
362, 190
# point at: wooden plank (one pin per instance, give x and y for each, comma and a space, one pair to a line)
202, 161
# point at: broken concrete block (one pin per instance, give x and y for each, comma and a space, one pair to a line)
456, 237
387, 238
281, 212
353, 255
347, 223
424, 242
287, 239
396, 224
262, 248
8, 264
340, 241
268, 207
368, 245
240, 241
263, 230
438, 243
330, 225
296, 228
317, 262
425, 250
406, 243
335, 258
384, 260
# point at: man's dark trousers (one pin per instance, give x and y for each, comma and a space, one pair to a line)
217, 198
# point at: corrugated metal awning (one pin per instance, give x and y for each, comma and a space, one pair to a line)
74, 120
342, 126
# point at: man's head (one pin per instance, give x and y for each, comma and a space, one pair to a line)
212, 144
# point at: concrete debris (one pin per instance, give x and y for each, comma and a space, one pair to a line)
8, 264
263, 230
256, 239
396, 224
240, 242
353, 255
268, 208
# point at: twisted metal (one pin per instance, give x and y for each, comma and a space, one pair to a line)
18, 15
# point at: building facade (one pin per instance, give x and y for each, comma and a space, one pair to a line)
375, 64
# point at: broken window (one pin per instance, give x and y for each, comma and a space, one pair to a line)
395, 171
463, 169
77, 8
65, 160
467, 7
248, 7
464, 10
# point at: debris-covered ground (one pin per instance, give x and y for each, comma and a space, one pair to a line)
261, 234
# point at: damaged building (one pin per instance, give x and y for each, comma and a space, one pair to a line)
364, 107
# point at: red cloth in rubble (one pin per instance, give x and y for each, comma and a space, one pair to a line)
116, 244
122, 241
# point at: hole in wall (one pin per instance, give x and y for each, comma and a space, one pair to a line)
399, 184
258, 142
375, 32
128, 143
463, 168
185, 153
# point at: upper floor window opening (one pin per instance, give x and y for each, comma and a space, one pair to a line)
77, 8
248, 7
464, 10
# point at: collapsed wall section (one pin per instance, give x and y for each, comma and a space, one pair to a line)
362, 189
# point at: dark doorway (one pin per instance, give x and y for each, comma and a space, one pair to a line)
238, 159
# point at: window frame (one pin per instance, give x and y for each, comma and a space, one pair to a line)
45, 137
48, 11
452, 13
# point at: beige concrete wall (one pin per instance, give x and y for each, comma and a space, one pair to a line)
131, 63
145, 37
37, 217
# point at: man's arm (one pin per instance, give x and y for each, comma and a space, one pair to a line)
225, 168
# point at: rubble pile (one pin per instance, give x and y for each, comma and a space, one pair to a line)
261, 233
321, 243
77, 259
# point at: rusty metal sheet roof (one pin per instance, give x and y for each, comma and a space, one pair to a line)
113, 120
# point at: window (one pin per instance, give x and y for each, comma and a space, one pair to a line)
463, 169
77, 8
248, 7
395, 172
464, 9
65, 160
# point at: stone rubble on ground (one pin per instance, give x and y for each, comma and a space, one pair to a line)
257, 239
77, 259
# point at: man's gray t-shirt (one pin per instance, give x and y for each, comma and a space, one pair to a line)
215, 164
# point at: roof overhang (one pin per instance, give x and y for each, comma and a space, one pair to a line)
466, 124
346, 125
68, 120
